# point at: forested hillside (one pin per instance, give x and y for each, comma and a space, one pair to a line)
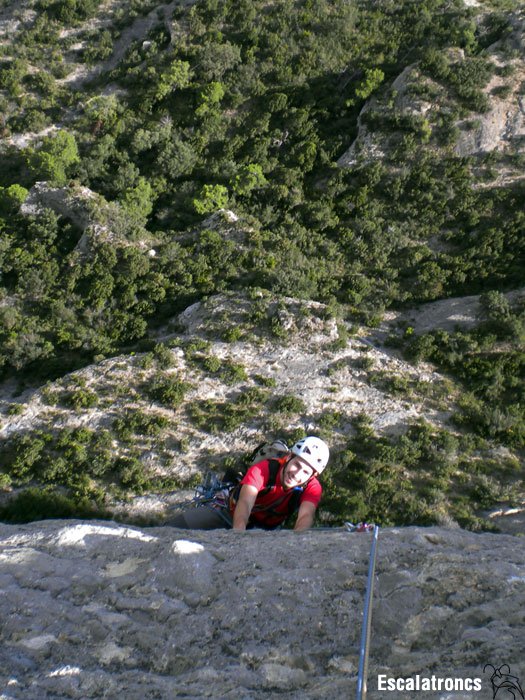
368, 155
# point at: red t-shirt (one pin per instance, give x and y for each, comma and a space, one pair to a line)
258, 475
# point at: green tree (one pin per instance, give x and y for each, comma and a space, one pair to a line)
210, 98
177, 76
248, 178
102, 112
55, 158
137, 201
372, 80
12, 197
211, 198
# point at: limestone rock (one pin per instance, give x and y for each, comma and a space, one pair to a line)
98, 609
71, 203
98, 220
501, 129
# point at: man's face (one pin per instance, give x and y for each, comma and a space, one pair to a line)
296, 473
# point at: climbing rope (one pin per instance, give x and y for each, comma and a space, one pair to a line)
367, 621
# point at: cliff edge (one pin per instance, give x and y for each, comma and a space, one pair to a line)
102, 610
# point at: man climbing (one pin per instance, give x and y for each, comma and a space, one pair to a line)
270, 491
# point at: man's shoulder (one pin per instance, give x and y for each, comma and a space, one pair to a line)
313, 486
257, 473
262, 466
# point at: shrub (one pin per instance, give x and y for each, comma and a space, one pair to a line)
265, 381
55, 158
132, 474
42, 504
163, 355
212, 364
230, 335
136, 422
81, 398
12, 197
232, 372
289, 405
168, 390
217, 416
210, 199
329, 420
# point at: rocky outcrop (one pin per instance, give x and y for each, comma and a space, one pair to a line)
75, 203
500, 129
100, 610
371, 145
456, 313
99, 221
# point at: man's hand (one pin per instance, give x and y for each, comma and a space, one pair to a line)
244, 506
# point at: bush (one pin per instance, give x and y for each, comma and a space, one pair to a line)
163, 355
80, 398
55, 158
43, 504
12, 197
136, 422
232, 372
217, 416
210, 199
132, 474
168, 390
289, 405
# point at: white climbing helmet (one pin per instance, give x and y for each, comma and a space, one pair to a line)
313, 451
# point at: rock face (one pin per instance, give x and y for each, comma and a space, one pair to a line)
100, 610
501, 129
72, 203
99, 221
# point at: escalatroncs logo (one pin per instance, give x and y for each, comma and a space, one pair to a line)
505, 686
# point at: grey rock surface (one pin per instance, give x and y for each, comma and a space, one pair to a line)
102, 610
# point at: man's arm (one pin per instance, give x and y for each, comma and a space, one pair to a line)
305, 516
244, 506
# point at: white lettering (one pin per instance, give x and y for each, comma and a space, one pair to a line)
425, 684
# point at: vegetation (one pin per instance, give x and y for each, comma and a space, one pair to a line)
248, 105
226, 416
423, 477
250, 115
490, 363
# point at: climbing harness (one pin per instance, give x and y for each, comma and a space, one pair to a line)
208, 491
367, 619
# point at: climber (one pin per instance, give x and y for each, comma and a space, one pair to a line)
269, 492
